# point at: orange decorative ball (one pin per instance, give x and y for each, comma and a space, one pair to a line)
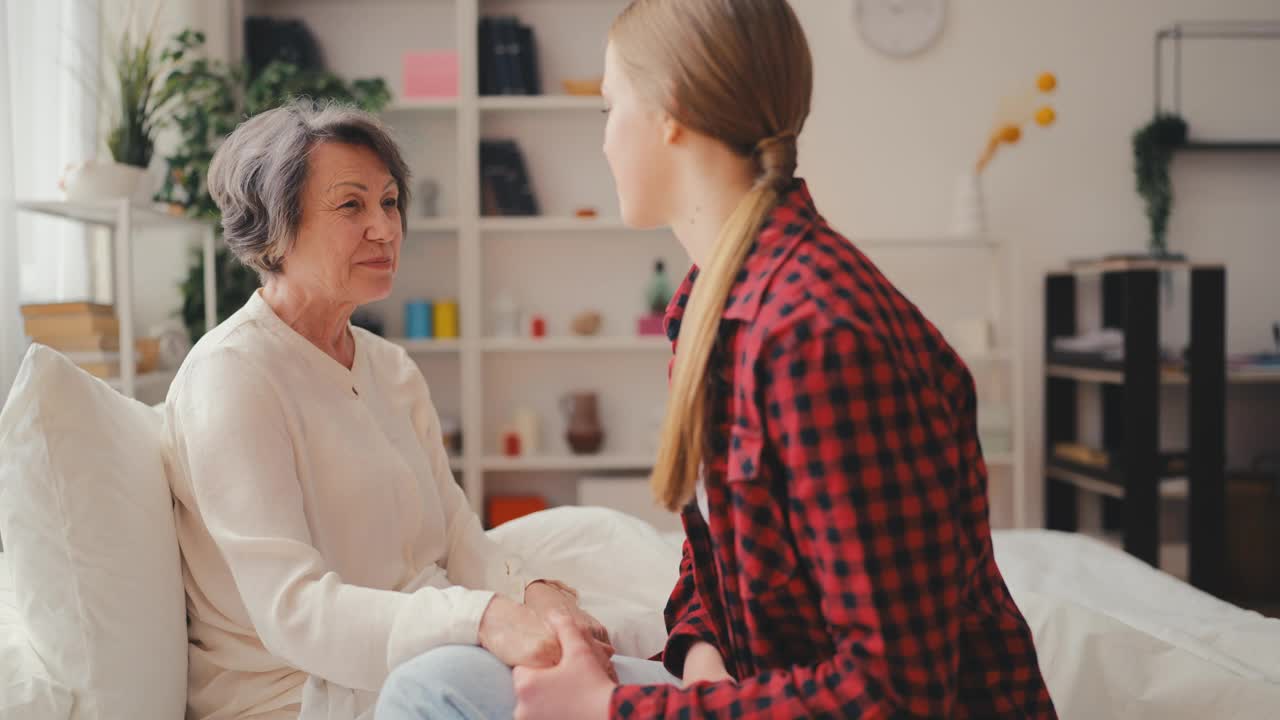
1045, 116
1047, 82
1010, 134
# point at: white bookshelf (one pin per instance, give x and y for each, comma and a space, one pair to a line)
550, 224
571, 344
570, 463
571, 103
428, 345
459, 255
123, 218
559, 264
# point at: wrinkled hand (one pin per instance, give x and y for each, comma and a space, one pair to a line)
703, 664
516, 635
546, 600
577, 688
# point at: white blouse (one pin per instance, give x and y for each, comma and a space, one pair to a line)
324, 540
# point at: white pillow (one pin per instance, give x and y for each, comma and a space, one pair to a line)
26, 689
87, 520
622, 568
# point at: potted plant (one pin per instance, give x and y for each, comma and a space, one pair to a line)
211, 99
138, 110
1153, 148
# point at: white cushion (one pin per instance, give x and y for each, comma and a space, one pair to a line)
87, 521
26, 689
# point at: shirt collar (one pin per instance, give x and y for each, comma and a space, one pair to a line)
782, 230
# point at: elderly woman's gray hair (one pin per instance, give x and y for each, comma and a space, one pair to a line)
258, 174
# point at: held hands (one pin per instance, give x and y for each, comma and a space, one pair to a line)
517, 636
549, 598
545, 598
577, 688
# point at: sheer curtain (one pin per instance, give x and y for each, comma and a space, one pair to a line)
49, 75
10, 329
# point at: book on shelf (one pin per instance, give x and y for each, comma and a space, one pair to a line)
505, 187
87, 321
80, 307
87, 342
1109, 464
508, 63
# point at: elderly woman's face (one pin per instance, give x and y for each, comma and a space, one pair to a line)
348, 244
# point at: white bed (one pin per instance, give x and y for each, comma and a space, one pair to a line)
1116, 639
86, 511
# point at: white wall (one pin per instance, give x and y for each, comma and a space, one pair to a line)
887, 139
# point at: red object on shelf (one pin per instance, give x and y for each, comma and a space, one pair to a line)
505, 508
650, 325
538, 326
511, 444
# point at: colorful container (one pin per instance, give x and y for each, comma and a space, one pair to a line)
419, 321
446, 319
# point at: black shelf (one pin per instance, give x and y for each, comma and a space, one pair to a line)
1081, 368
1228, 146
1130, 422
1110, 481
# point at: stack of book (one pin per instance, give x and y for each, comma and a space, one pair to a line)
87, 333
508, 58
505, 188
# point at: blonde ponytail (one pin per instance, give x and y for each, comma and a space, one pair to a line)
684, 430
739, 71
681, 444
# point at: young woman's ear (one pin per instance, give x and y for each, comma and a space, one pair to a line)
672, 131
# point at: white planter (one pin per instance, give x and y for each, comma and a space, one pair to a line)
97, 181
968, 213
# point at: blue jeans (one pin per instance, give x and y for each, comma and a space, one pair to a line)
459, 682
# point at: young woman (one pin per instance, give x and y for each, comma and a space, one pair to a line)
820, 440
821, 435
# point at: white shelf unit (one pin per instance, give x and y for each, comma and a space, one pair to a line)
556, 264
123, 218
961, 278
480, 378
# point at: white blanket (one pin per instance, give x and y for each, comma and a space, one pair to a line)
1116, 638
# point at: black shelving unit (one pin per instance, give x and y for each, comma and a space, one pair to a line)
1168, 43
1131, 410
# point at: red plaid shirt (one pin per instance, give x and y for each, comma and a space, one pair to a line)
845, 569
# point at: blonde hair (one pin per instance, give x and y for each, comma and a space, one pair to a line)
738, 71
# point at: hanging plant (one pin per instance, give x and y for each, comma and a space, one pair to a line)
1153, 148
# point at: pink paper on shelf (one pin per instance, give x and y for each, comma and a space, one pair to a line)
650, 325
430, 74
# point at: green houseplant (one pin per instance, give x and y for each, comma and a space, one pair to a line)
140, 107
212, 98
1153, 148
138, 104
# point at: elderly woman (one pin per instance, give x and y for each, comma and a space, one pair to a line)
324, 540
